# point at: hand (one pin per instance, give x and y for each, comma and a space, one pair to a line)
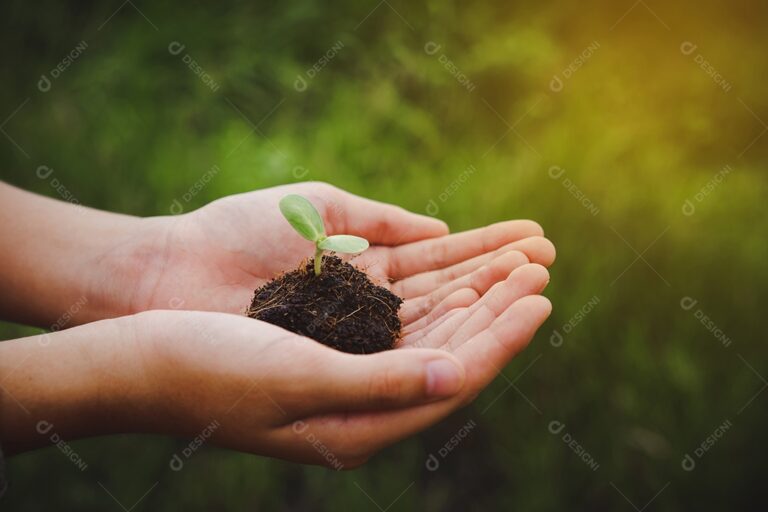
271, 392
483, 337
257, 387
212, 259
472, 294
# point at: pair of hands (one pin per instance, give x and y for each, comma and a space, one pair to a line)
473, 294
193, 360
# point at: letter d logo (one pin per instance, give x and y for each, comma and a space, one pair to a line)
300, 172
432, 208
555, 427
687, 48
176, 302
555, 172
176, 463
688, 463
431, 48
432, 463
687, 303
176, 207
44, 84
175, 48
556, 340
43, 172
43, 427
556, 84
300, 84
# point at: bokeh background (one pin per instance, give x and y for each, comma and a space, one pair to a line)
635, 132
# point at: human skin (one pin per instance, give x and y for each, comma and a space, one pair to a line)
471, 303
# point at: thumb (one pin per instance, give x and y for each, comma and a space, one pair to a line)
391, 379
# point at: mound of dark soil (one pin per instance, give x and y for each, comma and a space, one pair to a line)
340, 308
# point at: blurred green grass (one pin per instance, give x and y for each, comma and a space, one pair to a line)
639, 129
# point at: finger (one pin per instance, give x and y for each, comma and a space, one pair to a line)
526, 280
436, 334
490, 350
395, 378
437, 253
538, 250
479, 280
460, 298
380, 223
358, 435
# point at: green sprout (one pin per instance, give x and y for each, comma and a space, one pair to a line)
304, 218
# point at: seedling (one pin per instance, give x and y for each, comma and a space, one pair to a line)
305, 219
342, 308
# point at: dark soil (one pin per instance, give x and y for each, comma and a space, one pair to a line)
341, 308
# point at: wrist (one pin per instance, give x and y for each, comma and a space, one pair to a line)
174, 350
161, 398
85, 381
72, 264
123, 270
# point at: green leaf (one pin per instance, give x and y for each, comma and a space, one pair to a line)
303, 217
344, 243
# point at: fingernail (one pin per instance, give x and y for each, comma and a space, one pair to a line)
444, 378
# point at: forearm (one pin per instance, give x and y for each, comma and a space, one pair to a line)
85, 381
62, 264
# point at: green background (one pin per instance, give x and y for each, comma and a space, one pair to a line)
638, 128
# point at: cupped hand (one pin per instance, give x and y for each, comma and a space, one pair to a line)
264, 390
483, 337
212, 259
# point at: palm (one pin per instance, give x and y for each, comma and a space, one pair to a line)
356, 416
483, 335
218, 255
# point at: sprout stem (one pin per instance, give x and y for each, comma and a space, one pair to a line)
318, 260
